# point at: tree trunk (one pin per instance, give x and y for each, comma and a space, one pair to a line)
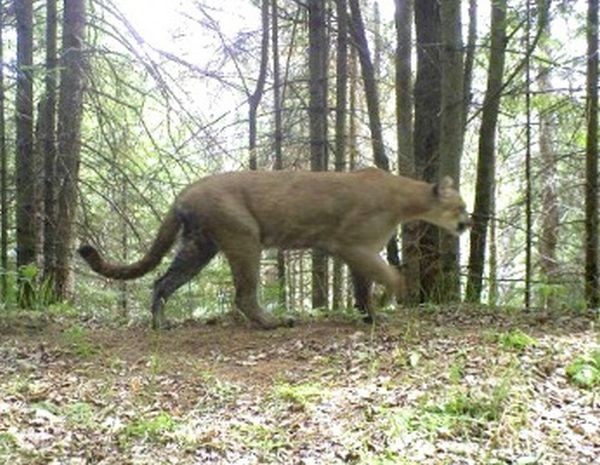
493, 260
70, 107
404, 89
377, 41
370, 86
48, 142
427, 93
372, 98
352, 137
278, 104
469, 60
318, 128
447, 287
341, 66
121, 198
25, 170
404, 132
486, 156
548, 238
255, 98
3, 175
592, 286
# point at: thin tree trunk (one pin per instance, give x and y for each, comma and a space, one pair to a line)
370, 86
469, 60
48, 142
120, 210
548, 173
340, 127
352, 138
25, 170
372, 97
277, 104
318, 129
255, 98
528, 180
404, 130
70, 106
377, 41
592, 286
493, 261
486, 160
3, 175
404, 88
352, 124
427, 93
451, 137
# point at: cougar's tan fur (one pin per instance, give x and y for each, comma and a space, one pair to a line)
350, 215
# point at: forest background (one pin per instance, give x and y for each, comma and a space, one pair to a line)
135, 101
109, 108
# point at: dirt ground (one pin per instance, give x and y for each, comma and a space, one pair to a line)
445, 386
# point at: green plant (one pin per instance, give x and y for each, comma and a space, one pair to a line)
470, 405
457, 368
80, 413
584, 371
263, 438
8, 443
299, 395
26, 288
516, 340
149, 428
77, 339
38, 293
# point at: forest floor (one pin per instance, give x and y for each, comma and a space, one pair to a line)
452, 386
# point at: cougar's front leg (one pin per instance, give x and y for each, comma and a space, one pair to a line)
368, 266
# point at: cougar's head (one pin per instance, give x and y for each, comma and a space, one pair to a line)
448, 209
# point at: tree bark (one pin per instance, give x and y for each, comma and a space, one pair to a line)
24, 165
48, 142
451, 138
592, 285
70, 105
341, 102
318, 129
486, 160
548, 176
372, 98
3, 175
469, 60
427, 94
278, 104
370, 86
255, 98
404, 132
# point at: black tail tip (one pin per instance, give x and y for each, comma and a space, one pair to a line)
87, 251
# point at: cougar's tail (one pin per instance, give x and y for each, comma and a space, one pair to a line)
163, 242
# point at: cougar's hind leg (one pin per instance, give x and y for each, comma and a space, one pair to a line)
243, 255
362, 295
195, 253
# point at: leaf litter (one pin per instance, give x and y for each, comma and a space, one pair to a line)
451, 386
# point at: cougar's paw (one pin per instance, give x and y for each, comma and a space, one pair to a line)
375, 318
162, 325
274, 323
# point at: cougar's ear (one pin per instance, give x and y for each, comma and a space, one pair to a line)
442, 188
